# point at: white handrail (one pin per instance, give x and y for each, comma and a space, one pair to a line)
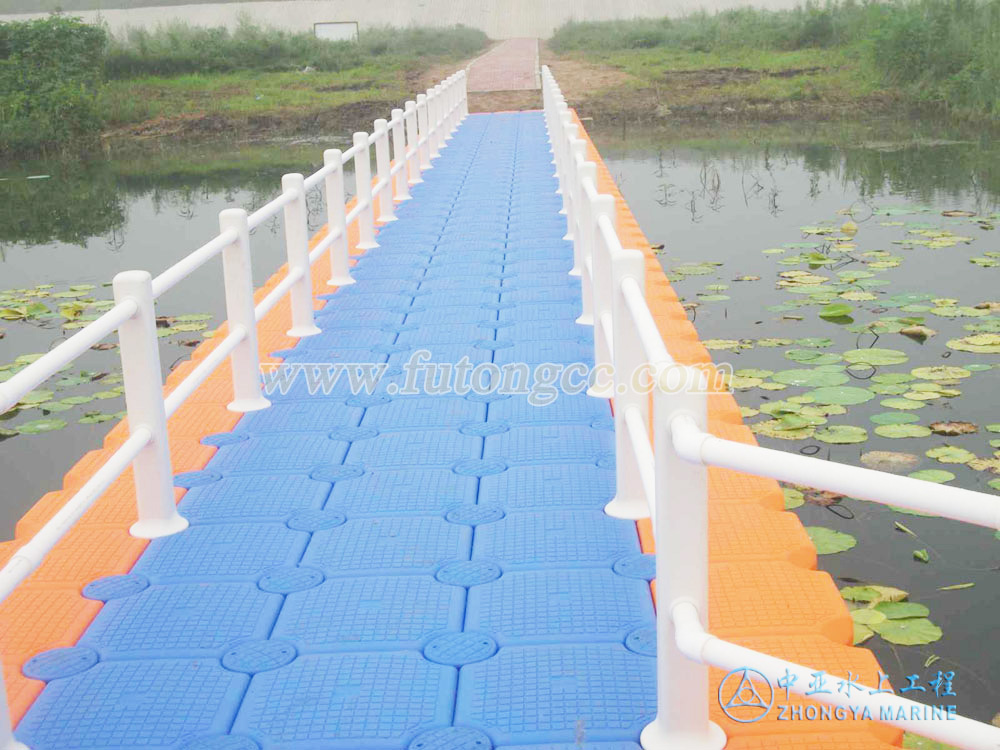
133, 317
667, 479
979, 508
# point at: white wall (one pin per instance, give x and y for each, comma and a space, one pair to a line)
500, 19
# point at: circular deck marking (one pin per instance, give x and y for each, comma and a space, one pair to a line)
224, 438
469, 572
189, 479
258, 656
352, 434
289, 579
605, 460
637, 566
479, 467
484, 429
115, 587
603, 423
456, 649
452, 738
60, 662
364, 400
642, 641
315, 520
336, 472
474, 515
221, 742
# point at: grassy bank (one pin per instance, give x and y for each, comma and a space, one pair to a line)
928, 52
186, 81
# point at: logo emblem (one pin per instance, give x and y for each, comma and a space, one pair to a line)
745, 695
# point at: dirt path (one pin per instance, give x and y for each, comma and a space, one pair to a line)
512, 65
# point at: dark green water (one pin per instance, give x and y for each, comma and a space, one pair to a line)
726, 200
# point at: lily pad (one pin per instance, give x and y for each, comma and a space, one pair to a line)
902, 431
862, 633
902, 403
867, 616
915, 631
953, 428
900, 610
893, 417
844, 395
810, 378
939, 476
835, 311
950, 454
889, 460
842, 434
873, 593
829, 541
793, 498
38, 426
812, 357
941, 372
980, 343
875, 357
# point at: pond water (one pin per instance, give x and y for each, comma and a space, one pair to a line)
716, 203
752, 230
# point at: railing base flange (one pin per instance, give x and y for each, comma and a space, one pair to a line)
244, 405
156, 529
654, 737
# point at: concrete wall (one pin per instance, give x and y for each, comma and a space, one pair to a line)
500, 19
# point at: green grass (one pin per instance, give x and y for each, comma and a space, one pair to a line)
941, 52
246, 93
47, 6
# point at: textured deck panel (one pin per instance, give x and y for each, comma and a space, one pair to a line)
397, 572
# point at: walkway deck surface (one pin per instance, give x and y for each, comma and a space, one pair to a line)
377, 571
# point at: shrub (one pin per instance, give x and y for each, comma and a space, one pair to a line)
50, 72
178, 48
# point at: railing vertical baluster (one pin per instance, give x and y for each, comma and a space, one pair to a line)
386, 209
237, 272
412, 143
423, 132
629, 392
399, 156
363, 192
297, 251
682, 695
143, 381
336, 219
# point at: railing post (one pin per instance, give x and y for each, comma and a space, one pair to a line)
433, 121
464, 109
383, 169
423, 132
412, 143
446, 109
7, 741
236, 271
682, 700
629, 393
143, 380
336, 219
399, 156
363, 191
601, 297
297, 250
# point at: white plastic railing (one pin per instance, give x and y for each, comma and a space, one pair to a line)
417, 133
666, 478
